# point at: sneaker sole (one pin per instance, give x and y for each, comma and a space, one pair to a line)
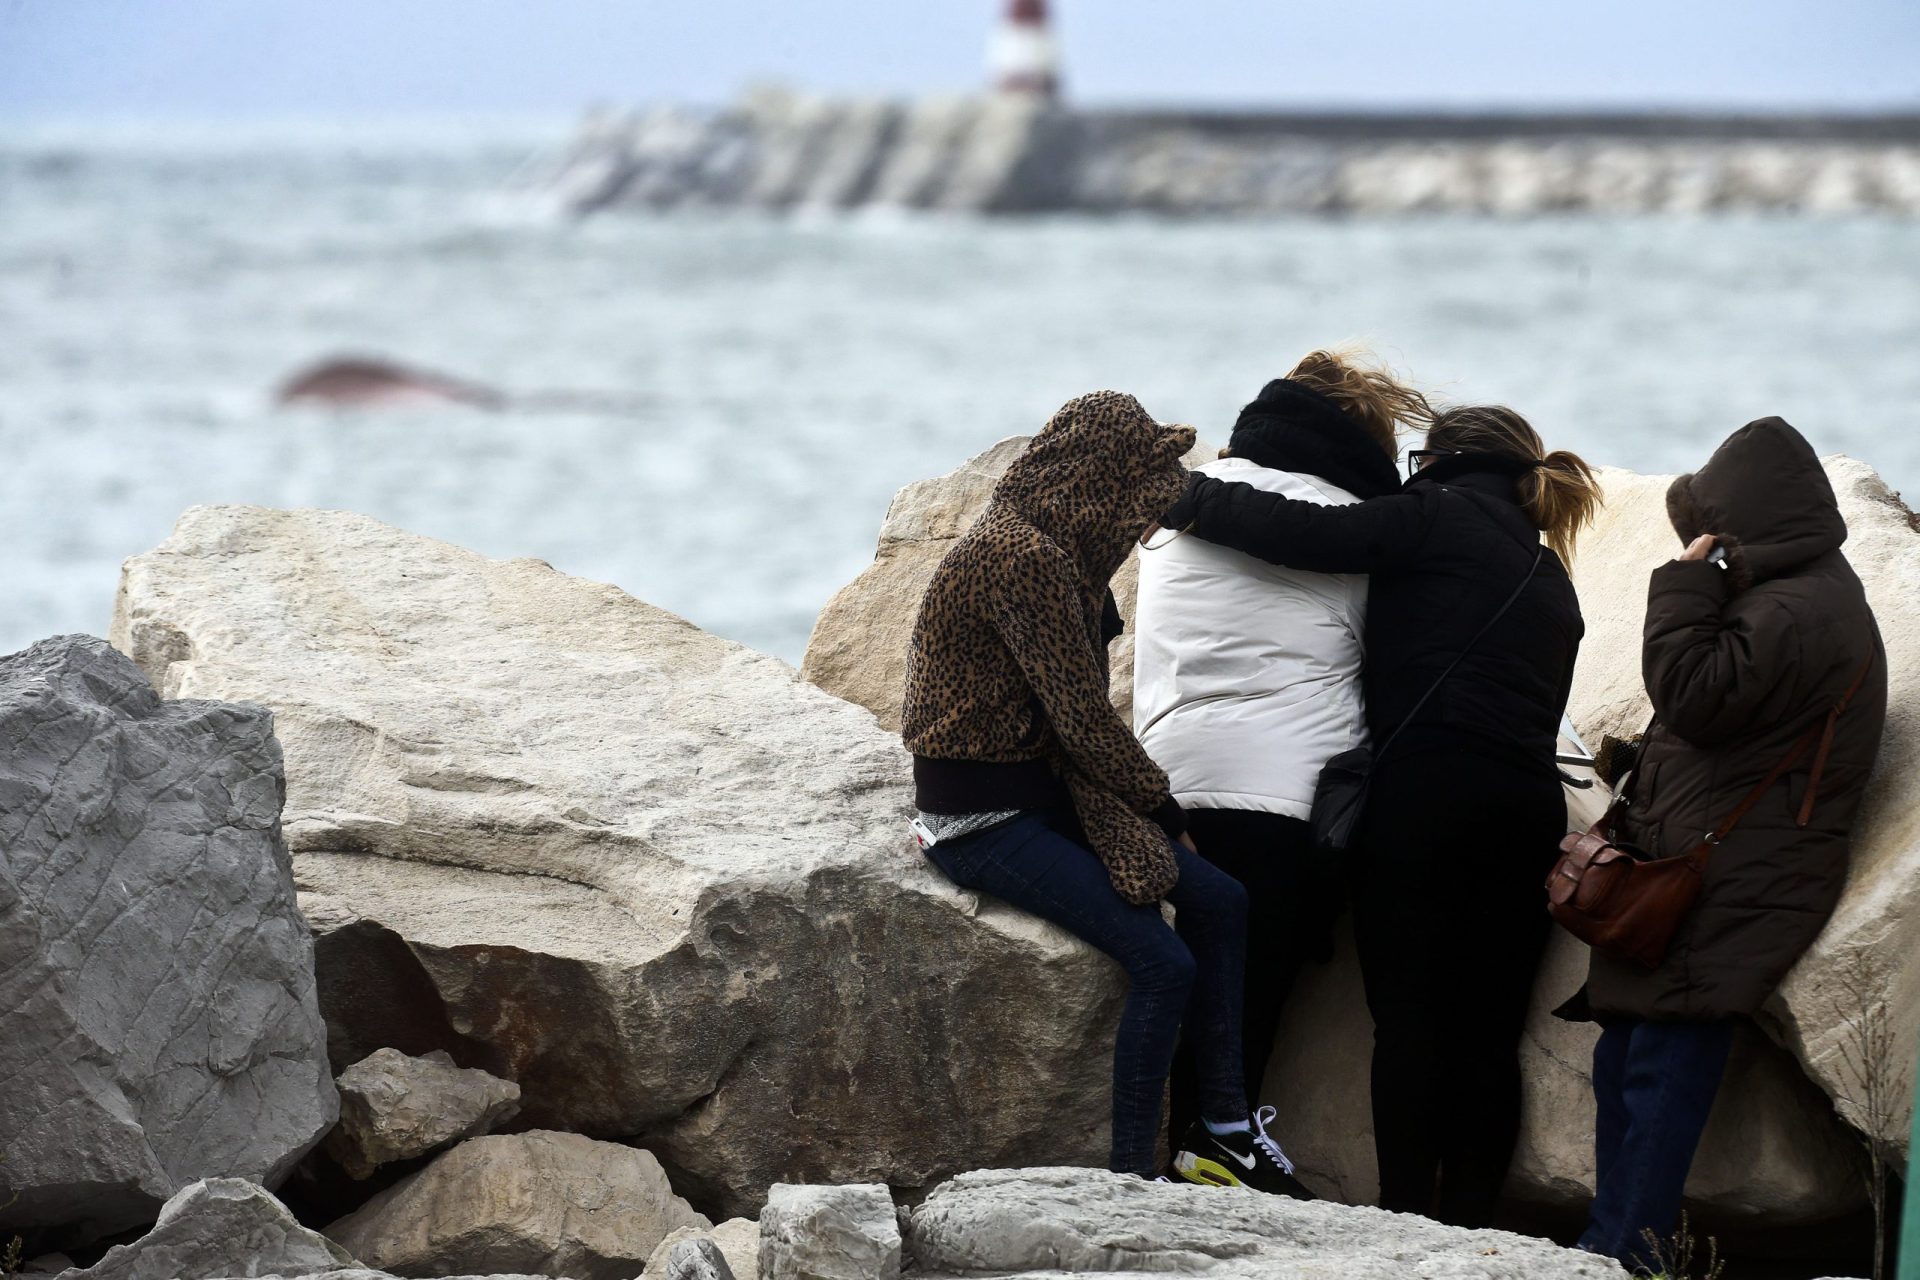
1208, 1173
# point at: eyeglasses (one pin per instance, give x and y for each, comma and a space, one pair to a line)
1418, 458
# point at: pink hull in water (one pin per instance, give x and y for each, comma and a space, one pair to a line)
361, 383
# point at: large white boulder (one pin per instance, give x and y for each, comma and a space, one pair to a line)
645, 873
829, 1233
1852, 1005
156, 978
1065, 1221
552, 1204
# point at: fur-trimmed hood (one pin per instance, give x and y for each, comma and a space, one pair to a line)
1765, 496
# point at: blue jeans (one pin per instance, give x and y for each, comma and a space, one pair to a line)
1039, 864
1654, 1084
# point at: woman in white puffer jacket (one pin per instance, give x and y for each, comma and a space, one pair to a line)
1246, 676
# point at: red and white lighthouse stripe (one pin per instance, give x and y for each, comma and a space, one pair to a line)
1022, 57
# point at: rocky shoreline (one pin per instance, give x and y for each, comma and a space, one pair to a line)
610, 931
1020, 154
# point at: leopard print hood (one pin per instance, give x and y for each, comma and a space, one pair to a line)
1096, 476
1008, 662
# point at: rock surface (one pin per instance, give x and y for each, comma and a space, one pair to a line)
1870, 952
829, 1233
364, 1273
858, 649
393, 1107
644, 873
157, 975
220, 1227
738, 1239
1085, 1221
698, 1259
554, 1204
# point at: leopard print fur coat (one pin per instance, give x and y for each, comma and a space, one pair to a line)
1008, 662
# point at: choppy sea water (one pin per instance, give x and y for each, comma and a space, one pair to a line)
770, 383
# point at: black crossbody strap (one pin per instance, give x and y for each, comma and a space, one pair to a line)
1478, 635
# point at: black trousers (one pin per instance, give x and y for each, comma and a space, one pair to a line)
1450, 920
1293, 899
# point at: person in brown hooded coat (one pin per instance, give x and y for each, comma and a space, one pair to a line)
1772, 652
1032, 788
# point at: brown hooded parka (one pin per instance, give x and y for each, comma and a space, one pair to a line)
1739, 662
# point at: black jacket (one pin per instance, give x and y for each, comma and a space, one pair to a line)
1443, 554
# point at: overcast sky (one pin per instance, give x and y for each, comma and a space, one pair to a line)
331, 58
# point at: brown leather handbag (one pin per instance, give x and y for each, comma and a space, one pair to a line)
1628, 903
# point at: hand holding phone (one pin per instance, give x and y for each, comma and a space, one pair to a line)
1704, 547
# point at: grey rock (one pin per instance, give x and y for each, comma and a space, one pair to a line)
698, 1259
738, 1240
554, 1204
220, 1227
161, 1021
393, 1107
1085, 1221
364, 1273
645, 873
829, 1233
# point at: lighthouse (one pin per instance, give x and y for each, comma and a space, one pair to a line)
1022, 57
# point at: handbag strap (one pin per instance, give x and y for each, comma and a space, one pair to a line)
1462, 657
1821, 730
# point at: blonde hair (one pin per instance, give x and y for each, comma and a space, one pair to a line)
1366, 391
1560, 495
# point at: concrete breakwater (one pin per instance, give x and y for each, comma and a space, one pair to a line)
776, 149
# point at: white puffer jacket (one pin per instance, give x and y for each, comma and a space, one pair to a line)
1246, 676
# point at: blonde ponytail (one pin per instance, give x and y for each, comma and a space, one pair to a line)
1561, 495
1366, 391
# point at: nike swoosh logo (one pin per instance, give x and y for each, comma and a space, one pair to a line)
1246, 1162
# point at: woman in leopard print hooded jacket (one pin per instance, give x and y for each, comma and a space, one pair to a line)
1032, 788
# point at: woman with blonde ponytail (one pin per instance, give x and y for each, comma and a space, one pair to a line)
1470, 635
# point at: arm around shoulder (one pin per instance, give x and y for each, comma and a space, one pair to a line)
1364, 537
